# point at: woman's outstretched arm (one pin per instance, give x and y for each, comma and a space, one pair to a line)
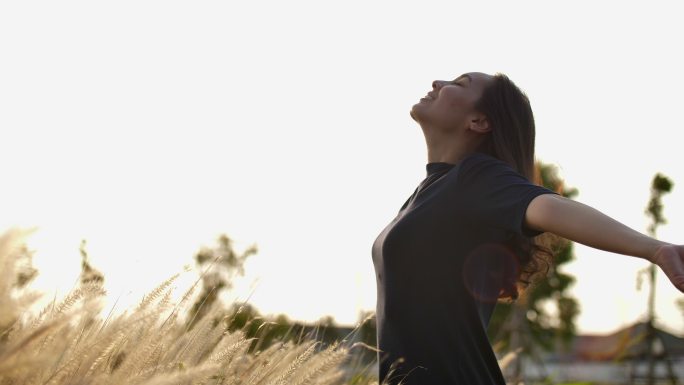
581, 223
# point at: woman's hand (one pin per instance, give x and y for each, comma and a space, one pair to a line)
670, 258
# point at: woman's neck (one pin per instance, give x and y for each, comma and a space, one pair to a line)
447, 150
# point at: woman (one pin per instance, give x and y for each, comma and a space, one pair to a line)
466, 236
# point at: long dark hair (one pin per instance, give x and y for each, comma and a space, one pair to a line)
511, 140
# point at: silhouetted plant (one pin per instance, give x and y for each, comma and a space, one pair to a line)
221, 264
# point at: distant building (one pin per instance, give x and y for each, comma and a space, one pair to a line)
607, 358
620, 345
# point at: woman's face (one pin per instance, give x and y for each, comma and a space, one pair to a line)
450, 104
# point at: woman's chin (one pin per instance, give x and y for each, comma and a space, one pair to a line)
416, 111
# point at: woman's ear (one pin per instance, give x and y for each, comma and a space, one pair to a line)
479, 124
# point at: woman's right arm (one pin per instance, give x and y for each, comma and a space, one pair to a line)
581, 223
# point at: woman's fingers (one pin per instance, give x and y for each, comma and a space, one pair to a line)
670, 259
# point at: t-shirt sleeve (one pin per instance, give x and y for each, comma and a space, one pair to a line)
492, 193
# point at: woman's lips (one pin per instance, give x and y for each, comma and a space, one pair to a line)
428, 97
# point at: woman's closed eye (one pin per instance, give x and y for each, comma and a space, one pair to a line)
457, 80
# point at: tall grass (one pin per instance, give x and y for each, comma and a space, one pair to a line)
68, 342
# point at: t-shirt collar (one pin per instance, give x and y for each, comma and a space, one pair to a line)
437, 167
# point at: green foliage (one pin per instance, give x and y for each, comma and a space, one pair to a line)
660, 186
662, 183
268, 330
221, 264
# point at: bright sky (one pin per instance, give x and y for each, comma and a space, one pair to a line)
150, 127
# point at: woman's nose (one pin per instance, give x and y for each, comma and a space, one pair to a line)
436, 83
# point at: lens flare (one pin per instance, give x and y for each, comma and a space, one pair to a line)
488, 270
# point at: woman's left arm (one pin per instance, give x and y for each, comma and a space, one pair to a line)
581, 223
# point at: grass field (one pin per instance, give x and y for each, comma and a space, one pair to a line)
69, 343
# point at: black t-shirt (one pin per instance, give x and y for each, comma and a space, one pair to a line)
439, 266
